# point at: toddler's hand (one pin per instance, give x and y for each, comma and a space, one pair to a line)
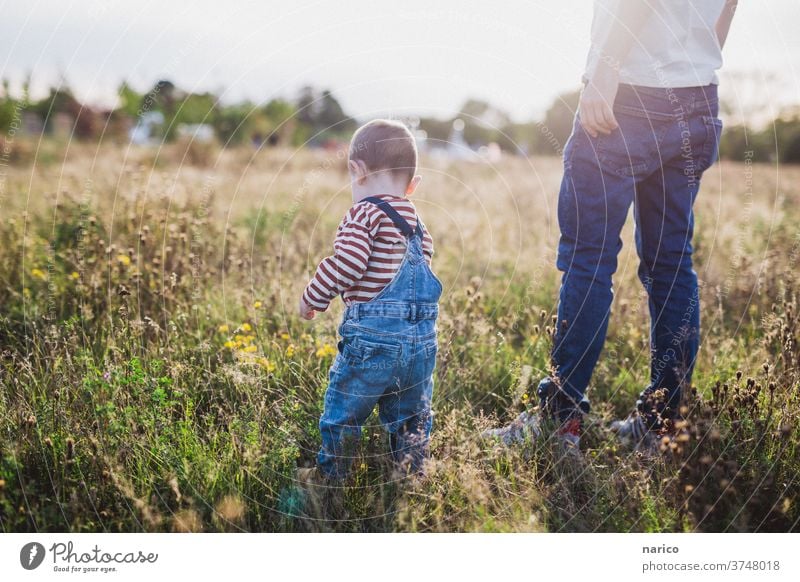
305, 310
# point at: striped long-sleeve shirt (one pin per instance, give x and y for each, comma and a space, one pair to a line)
368, 251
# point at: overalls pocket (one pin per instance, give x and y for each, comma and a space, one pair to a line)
361, 352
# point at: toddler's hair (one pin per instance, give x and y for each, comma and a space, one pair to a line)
383, 144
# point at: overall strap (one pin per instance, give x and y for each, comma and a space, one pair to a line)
400, 222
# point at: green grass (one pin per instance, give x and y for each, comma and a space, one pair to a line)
158, 378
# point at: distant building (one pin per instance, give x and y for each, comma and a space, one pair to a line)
61, 125
491, 152
202, 132
456, 147
32, 123
142, 133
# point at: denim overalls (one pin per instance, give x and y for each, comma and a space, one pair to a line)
386, 357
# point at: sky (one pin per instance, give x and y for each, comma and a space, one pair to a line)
378, 57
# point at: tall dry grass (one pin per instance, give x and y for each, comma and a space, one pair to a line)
155, 376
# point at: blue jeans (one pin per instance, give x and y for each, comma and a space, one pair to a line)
666, 139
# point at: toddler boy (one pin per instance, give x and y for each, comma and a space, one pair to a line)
381, 268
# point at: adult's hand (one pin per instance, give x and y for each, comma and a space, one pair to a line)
595, 109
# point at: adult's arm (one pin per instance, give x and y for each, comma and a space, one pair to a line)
725, 19
597, 98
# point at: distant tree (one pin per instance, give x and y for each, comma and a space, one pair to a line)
8, 106
436, 130
321, 115
474, 108
331, 117
281, 120
791, 151
279, 110
739, 143
520, 138
318, 115
196, 108
87, 122
307, 106
556, 126
118, 126
483, 122
129, 100
164, 95
786, 131
233, 124
734, 142
59, 100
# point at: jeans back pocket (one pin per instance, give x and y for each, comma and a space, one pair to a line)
625, 151
710, 150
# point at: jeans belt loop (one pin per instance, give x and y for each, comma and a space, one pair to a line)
413, 312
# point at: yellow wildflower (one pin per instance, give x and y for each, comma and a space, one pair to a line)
266, 364
325, 351
250, 349
257, 304
284, 336
290, 351
223, 328
75, 275
39, 274
229, 344
246, 327
124, 259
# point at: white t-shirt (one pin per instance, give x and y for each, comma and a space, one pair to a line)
677, 46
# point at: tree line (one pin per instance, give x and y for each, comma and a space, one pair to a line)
315, 117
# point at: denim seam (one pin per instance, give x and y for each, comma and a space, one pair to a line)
713, 127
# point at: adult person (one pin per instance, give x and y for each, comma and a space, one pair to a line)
645, 131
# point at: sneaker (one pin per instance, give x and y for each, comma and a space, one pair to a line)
323, 496
527, 427
633, 432
312, 487
570, 432
308, 476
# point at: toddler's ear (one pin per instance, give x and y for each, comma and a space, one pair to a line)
412, 185
358, 170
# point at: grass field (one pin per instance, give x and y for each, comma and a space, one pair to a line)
154, 375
